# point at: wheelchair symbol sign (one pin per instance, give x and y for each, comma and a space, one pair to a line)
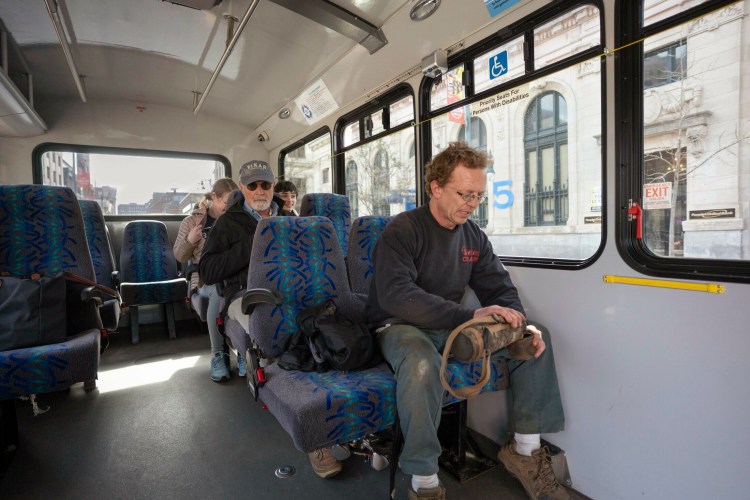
498, 65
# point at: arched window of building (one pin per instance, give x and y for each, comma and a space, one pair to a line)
476, 136
546, 159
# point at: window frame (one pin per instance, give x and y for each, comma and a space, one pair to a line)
45, 147
302, 142
379, 103
524, 28
629, 151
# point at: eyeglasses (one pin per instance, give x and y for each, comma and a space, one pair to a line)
265, 185
468, 198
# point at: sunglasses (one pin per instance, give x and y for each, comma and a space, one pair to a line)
265, 185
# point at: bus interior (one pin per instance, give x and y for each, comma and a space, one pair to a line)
618, 199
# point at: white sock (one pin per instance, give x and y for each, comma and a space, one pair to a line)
418, 482
526, 444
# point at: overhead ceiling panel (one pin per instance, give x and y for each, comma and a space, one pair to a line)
153, 51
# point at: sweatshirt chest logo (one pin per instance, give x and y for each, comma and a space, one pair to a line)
469, 255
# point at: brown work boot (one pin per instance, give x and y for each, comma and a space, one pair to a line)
534, 472
427, 493
323, 463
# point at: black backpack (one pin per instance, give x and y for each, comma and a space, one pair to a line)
326, 339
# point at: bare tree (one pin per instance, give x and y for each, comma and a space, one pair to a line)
381, 176
680, 103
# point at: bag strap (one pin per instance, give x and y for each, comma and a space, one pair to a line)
85, 281
471, 390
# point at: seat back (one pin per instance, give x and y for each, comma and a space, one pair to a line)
298, 257
34, 214
146, 255
100, 246
364, 234
334, 206
42, 231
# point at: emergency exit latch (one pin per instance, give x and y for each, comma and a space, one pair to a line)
636, 213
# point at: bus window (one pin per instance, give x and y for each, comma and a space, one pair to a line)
543, 138
566, 35
658, 10
499, 65
380, 167
448, 88
130, 182
308, 164
691, 169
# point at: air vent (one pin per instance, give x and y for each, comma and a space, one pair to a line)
196, 4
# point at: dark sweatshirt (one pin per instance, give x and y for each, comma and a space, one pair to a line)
422, 268
226, 253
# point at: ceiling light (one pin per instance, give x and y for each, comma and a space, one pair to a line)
285, 113
422, 9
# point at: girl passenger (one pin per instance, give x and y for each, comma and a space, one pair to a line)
288, 192
191, 237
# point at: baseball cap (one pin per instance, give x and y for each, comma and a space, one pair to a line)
256, 170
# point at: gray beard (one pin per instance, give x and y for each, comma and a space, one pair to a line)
260, 205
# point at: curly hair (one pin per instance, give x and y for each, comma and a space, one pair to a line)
442, 165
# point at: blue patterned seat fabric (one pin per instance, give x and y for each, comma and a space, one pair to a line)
148, 271
148, 268
42, 231
298, 258
364, 234
103, 259
100, 246
334, 206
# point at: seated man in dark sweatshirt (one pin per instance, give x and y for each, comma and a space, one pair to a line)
423, 261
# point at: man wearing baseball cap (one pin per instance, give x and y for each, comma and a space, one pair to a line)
226, 254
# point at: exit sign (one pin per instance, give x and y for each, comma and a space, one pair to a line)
657, 195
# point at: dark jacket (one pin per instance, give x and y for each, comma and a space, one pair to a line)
226, 254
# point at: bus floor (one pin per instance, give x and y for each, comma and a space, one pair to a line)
158, 427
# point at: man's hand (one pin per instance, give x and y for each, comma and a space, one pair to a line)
511, 316
537, 340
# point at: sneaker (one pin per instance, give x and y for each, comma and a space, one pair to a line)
241, 364
323, 463
534, 472
427, 493
219, 370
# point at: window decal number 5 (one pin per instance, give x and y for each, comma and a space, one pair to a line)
503, 196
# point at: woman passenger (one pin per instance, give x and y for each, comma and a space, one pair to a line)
191, 237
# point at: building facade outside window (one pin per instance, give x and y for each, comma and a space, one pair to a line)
665, 65
543, 136
546, 143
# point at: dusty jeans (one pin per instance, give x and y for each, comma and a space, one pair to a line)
414, 355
